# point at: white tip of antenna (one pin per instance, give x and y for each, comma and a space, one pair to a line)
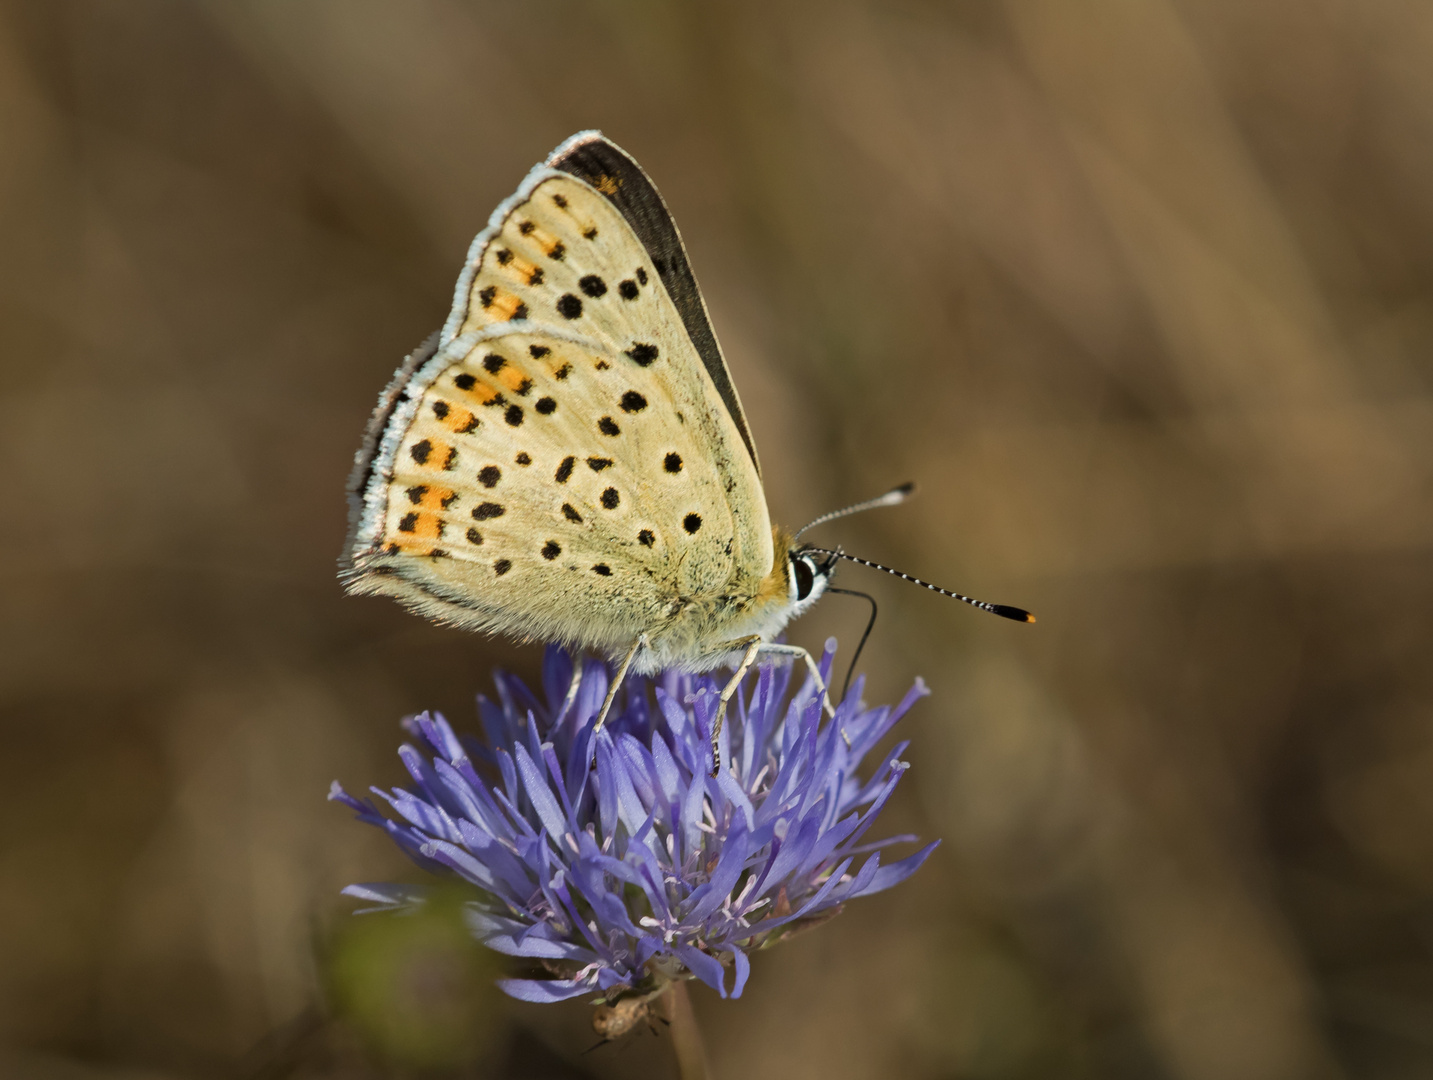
890, 498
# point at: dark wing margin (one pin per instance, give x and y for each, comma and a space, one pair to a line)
368, 460
604, 165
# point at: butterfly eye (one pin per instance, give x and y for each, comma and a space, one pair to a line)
803, 577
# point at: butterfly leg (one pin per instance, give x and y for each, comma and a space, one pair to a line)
638, 645
753, 646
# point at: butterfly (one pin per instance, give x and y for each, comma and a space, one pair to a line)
567, 459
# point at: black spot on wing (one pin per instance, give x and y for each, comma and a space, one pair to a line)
564, 470
569, 306
692, 522
487, 511
593, 286
464, 381
570, 513
608, 426
513, 416
546, 405
537, 352
440, 409
610, 499
633, 402
416, 493
492, 364
645, 538
523, 458
489, 475
408, 522
502, 566
551, 550
421, 451
597, 464
643, 354
627, 289
474, 537
672, 462
603, 569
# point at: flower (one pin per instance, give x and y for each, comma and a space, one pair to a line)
616, 862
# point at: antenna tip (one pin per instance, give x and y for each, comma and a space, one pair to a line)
908, 488
1005, 611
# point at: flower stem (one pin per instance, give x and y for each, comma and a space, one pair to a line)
686, 1035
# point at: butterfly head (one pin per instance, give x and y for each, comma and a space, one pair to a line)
808, 572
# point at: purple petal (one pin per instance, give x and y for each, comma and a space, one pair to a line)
539, 795
692, 805
732, 790
897, 872
543, 991
793, 852
704, 967
707, 898
606, 786
387, 895
742, 963
669, 777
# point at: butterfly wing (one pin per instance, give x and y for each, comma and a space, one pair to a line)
559, 464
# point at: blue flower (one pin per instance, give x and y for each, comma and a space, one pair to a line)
616, 863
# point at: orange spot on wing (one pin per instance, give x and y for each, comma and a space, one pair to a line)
461, 421
436, 498
483, 391
506, 306
513, 378
521, 271
413, 526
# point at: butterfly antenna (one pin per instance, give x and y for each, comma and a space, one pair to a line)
1005, 611
894, 497
870, 625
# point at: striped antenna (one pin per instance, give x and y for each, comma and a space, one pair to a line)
894, 497
1005, 611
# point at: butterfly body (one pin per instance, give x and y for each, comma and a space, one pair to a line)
567, 460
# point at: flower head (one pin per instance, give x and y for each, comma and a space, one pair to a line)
615, 861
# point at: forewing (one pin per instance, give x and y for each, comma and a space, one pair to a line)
561, 466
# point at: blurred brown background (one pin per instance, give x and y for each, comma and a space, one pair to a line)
1137, 290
